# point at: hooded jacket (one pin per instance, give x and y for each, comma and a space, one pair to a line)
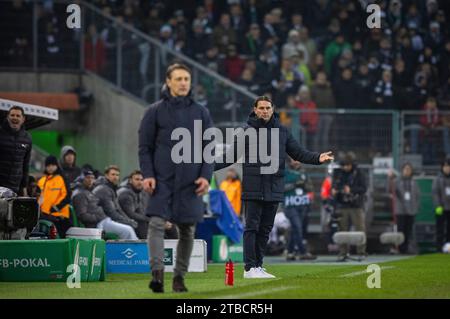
174, 198
87, 207
70, 173
15, 150
407, 196
106, 193
268, 187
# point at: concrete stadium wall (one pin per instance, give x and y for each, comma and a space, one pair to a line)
105, 133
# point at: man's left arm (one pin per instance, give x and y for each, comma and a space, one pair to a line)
298, 153
360, 186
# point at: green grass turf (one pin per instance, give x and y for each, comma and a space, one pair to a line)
425, 276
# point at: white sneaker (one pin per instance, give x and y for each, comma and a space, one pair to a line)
252, 273
265, 273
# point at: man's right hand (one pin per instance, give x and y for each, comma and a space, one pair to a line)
150, 185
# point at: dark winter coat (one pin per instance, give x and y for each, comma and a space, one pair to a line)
132, 203
15, 150
106, 193
174, 197
355, 179
268, 187
87, 207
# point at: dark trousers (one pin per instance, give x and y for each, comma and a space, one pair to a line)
442, 229
295, 214
405, 225
259, 219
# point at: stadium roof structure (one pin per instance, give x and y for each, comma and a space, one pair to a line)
36, 115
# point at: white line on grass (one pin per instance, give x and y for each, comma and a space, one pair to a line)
254, 293
357, 273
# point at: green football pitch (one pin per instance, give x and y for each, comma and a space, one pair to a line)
424, 276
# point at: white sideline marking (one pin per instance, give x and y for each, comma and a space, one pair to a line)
256, 293
357, 273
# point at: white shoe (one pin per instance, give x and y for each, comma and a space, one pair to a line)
265, 273
252, 273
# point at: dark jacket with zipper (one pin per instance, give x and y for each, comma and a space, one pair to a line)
268, 187
15, 150
356, 180
174, 198
86, 206
106, 193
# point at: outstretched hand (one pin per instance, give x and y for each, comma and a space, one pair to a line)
325, 157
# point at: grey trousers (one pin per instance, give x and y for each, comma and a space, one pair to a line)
156, 245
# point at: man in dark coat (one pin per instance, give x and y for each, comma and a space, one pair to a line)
263, 191
176, 188
15, 150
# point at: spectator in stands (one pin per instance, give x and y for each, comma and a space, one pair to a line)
70, 170
105, 190
441, 202
322, 95
317, 65
334, 50
90, 213
15, 151
402, 85
364, 86
309, 118
94, 51
233, 64
406, 193
296, 22
132, 201
253, 43
344, 90
233, 190
153, 22
286, 82
348, 189
224, 35
383, 95
268, 30
199, 41
430, 122
293, 46
247, 80
299, 65
309, 44
298, 195
55, 196
238, 22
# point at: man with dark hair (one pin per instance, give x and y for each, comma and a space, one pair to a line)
441, 202
176, 189
264, 190
105, 189
15, 150
132, 201
90, 213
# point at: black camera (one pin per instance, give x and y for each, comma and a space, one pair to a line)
16, 213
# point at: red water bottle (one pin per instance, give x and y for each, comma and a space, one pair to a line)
229, 273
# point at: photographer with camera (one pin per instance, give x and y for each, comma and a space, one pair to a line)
348, 190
